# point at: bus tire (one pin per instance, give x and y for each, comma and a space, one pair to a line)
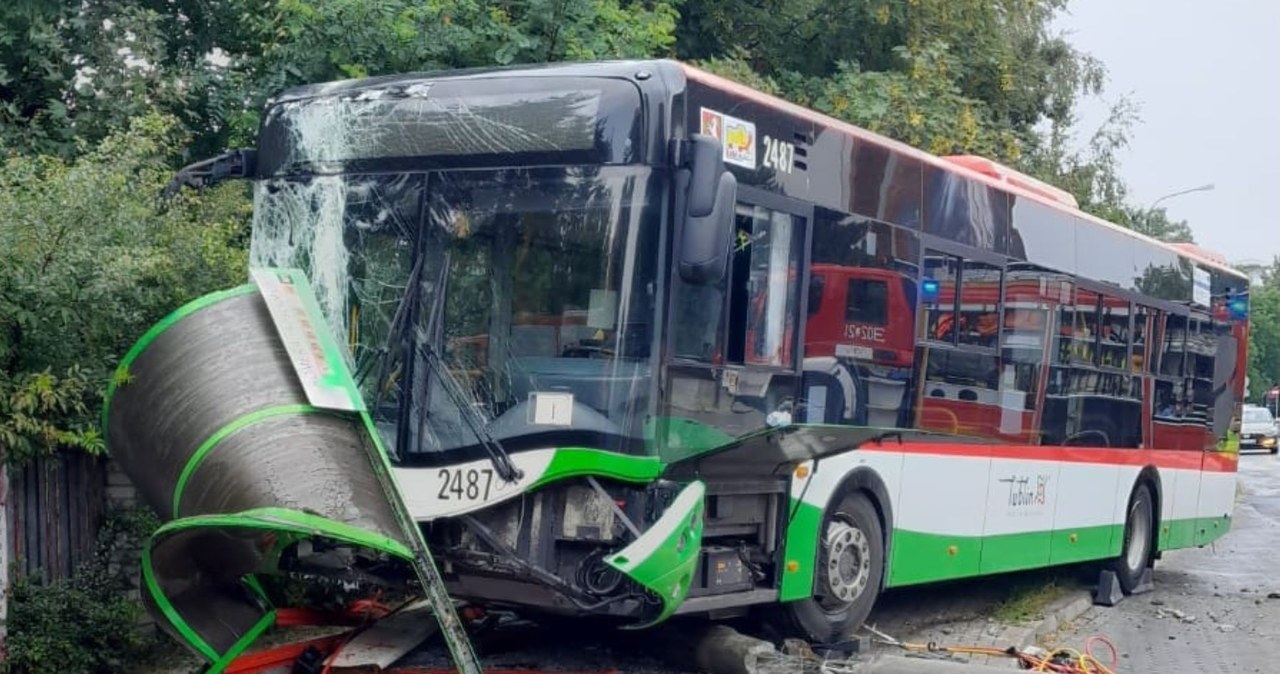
1139, 537
850, 573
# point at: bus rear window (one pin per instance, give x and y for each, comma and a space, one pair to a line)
868, 302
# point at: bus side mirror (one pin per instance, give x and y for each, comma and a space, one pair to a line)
708, 213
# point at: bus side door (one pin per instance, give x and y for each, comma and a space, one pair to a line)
733, 356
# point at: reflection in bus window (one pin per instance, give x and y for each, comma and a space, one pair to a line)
1175, 337
1026, 328
965, 211
868, 301
941, 278
1114, 335
1084, 331
860, 334
1202, 349
980, 304
697, 323
1175, 421
1139, 361
960, 393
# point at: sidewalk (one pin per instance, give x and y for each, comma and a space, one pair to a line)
984, 632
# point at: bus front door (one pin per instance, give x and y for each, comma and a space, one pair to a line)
733, 359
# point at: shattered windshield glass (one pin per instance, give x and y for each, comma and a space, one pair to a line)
423, 123
536, 292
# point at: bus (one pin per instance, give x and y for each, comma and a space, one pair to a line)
646, 342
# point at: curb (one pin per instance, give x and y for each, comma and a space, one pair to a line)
1060, 612
896, 664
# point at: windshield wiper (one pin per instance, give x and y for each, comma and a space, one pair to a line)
426, 346
388, 357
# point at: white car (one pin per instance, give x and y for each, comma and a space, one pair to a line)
1258, 429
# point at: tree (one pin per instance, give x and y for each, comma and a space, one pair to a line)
1264, 331
78, 71
947, 75
1156, 224
88, 260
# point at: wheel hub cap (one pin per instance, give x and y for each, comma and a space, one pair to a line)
848, 561
1139, 536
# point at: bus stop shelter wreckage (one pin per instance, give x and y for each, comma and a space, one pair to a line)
239, 422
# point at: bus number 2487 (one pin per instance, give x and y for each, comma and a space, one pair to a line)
779, 155
471, 484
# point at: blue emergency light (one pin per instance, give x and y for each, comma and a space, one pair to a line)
1238, 306
929, 289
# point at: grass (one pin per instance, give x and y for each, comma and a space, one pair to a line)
1027, 603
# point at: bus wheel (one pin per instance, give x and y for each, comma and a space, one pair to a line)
849, 574
1139, 525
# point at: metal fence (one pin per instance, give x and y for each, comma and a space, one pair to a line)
54, 507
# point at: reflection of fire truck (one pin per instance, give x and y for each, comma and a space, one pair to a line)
860, 341
861, 312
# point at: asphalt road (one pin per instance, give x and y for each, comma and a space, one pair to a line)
1210, 611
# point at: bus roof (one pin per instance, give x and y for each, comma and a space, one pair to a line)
1021, 185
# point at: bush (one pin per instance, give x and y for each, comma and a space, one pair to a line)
89, 259
87, 623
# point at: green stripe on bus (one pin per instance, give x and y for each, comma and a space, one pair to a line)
1191, 532
211, 443
800, 551
577, 461
916, 557
156, 330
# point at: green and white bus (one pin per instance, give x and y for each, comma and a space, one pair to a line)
647, 342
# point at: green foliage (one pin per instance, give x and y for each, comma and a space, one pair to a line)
1264, 342
1264, 331
74, 72
88, 260
1156, 224
40, 412
87, 623
951, 76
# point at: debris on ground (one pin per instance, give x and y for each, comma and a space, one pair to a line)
1060, 660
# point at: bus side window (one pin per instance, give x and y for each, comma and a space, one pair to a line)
1173, 421
859, 350
764, 288
697, 321
1027, 321
1140, 361
1202, 352
979, 304
941, 281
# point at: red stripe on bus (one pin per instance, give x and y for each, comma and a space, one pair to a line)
1213, 462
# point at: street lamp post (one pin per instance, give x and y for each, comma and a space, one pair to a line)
1203, 188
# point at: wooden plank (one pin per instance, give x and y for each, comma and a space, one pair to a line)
387, 640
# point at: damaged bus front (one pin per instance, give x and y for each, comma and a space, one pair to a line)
487, 245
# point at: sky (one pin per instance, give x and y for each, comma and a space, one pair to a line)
1206, 76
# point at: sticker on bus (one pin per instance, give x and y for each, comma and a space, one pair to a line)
738, 137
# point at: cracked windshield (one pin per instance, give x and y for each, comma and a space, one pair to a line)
508, 285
